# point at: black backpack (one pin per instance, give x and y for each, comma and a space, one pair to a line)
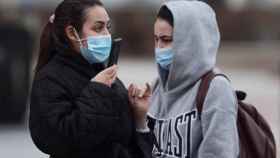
255, 136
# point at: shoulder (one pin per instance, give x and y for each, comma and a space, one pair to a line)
50, 77
220, 84
53, 71
221, 95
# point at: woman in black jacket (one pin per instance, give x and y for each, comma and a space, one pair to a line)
78, 108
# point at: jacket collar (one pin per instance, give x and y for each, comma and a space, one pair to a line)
75, 60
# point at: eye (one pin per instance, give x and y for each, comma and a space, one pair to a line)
167, 40
98, 28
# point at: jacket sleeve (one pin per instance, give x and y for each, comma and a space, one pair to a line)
145, 141
85, 121
219, 128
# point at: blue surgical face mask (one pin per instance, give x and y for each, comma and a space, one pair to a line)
98, 48
164, 57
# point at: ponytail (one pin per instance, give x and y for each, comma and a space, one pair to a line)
47, 47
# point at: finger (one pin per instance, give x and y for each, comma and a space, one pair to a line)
142, 92
130, 96
111, 76
110, 70
134, 90
148, 90
133, 101
113, 79
138, 92
130, 91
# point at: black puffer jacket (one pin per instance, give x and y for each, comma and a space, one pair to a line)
71, 117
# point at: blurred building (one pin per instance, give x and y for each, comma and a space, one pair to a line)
239, 20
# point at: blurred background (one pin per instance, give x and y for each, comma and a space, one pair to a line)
249, 54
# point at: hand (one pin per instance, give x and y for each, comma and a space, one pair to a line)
107, 76
139, 100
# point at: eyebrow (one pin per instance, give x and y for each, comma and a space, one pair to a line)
102, 22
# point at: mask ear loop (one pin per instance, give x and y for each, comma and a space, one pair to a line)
77, 36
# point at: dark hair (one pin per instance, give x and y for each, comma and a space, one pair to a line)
68, 12
165, 14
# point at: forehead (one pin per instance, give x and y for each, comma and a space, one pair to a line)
97, 13
162, 27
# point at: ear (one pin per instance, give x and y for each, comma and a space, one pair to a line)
71, 34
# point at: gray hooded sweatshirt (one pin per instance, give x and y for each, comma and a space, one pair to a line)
178, 130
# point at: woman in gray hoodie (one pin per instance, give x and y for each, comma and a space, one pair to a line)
187, 39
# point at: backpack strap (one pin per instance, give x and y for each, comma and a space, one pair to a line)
203, 89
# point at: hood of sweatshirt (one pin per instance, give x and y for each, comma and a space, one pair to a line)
196, 39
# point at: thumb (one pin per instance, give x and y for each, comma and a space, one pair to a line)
148, 90
111, 69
